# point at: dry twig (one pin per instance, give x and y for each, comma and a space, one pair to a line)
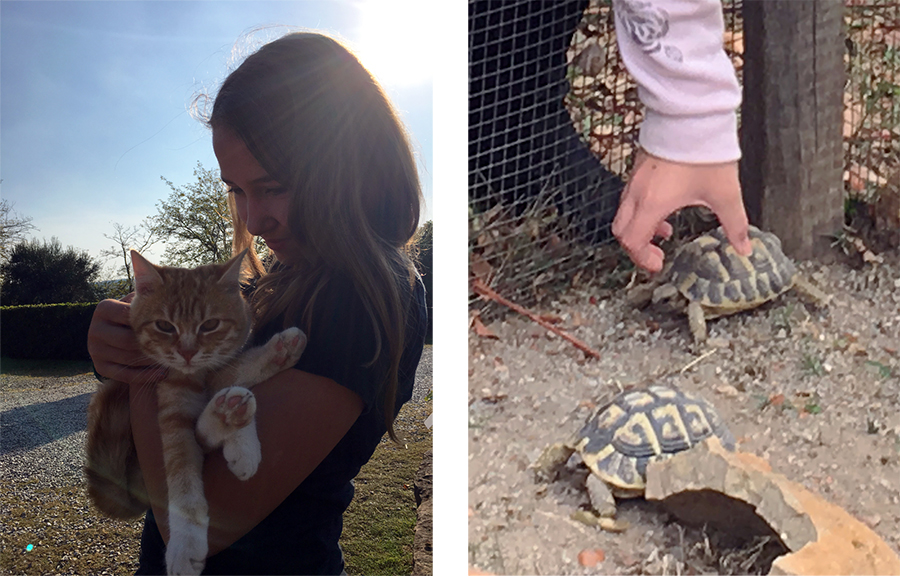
489, 294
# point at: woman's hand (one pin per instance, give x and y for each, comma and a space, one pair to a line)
114, 348
659, 187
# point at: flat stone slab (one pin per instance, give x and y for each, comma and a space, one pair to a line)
739, 493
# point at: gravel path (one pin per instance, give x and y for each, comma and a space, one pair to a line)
42, 427
43, 423
814, 391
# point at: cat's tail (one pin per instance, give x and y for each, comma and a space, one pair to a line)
114, 481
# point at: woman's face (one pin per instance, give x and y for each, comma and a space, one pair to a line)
262, 203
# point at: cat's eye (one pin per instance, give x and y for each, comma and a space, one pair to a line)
164, 326
209, 325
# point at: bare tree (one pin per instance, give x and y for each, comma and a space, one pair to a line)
12, 229
140, 238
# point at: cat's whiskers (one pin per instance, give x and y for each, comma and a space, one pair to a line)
148, 385
231, 362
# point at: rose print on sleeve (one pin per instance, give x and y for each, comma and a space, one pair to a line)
647, 26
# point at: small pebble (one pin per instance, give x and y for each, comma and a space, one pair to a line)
727, 390
590, 557
872, 520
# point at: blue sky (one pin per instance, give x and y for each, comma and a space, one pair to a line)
94, 97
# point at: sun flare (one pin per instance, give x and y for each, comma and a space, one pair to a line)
393, 40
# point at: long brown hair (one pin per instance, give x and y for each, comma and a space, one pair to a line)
319, 124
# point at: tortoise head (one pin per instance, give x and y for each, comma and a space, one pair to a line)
666, 293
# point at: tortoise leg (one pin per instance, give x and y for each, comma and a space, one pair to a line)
640, 296
601, 496
697, 321
550, 460
588, 518
604, 507
810, 292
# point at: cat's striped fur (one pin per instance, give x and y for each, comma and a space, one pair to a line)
195, 323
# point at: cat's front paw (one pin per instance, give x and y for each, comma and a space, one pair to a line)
186, 552
286, 347
235, 407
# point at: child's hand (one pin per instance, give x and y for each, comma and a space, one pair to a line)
658, 187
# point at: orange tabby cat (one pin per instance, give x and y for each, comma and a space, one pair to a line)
193, 322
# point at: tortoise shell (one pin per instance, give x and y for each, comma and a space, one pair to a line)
708, 270
644, 425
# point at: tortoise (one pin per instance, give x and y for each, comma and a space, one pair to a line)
621, 438
707, 278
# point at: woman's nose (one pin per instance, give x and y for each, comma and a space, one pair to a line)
258, 219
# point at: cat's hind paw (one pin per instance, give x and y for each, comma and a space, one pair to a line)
229, 411
186, 553
234, 406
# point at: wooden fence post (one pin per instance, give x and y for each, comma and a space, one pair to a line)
792, 163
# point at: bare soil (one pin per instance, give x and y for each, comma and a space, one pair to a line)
816, 391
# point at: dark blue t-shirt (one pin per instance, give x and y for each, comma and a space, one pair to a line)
301, 535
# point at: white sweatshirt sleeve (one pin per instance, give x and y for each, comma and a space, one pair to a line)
673, 49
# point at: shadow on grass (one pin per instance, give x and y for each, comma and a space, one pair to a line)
27, 427
44, 368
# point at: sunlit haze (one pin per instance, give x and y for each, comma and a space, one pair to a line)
395, 40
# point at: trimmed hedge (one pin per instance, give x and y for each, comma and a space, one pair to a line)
46, 331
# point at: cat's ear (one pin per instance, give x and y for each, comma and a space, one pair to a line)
232, 274
146, 277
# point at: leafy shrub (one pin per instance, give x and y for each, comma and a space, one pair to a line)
46, 331
47, 273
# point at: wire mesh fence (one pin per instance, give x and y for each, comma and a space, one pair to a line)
538, 200
871, 125
553, 124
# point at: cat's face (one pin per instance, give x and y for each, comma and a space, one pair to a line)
189, 320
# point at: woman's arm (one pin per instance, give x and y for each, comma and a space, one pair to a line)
300, 418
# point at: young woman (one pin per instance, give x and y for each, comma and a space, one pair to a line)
317, 164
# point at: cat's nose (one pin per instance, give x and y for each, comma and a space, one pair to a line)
187, 354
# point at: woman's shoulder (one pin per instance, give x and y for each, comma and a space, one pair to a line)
340, 294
